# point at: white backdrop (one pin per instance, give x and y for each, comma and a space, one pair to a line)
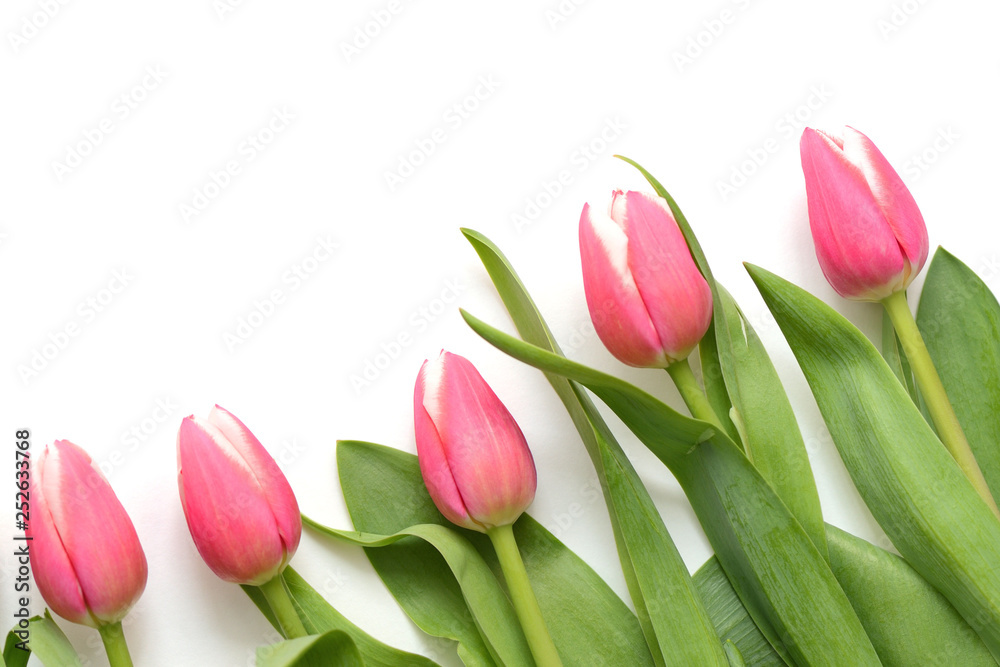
257, 204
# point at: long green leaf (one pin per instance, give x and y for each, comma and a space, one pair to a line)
46, 640
588, 622
319, 617
895, 358
491, 609
715, 385
730, 617
960, 321
770, 432
908, 621
782, 578
331, 648
906, 477
673, 619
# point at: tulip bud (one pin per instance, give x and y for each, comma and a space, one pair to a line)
239, 507
473, 457
870, 238
649, 302
85, 555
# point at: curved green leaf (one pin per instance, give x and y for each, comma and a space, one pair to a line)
46, 640
385, 493
959, 319
672, 617
325, 650
784, 581
908, 621
319, 617
491, 609
768, 428
730, 617
906, 477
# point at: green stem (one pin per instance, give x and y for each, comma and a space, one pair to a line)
281, 604
940, 408
114, 643
525, 604
692, 393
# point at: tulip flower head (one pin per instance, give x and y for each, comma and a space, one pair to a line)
85, 554
239, 507
649, 303
870, 237
473, 457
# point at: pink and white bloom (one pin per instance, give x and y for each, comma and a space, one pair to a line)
239, 507
85, 554
649, 302
870, 238
473, 457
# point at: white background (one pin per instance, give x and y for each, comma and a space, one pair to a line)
695, 93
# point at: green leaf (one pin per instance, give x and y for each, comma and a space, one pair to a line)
46, 640
330, 649
491, 609
959, 319
715, 385
385, 493
730, 617
319, 617
673, 620
908, 480
734, 655
776, 569
908, 621
770, 433
895, 358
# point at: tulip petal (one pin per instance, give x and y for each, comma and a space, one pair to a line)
676, 295
486, 452
855, 245
51, 566
434, 465
227, 511
279, 494
893, 197
97, 537
616, 307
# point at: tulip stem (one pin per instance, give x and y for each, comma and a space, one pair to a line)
525, 604
942, 413
114, 644
281, 604
692, 393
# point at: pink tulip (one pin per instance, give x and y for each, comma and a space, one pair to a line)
85, 555
239, 507
870, 238
473, 457
649, 303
